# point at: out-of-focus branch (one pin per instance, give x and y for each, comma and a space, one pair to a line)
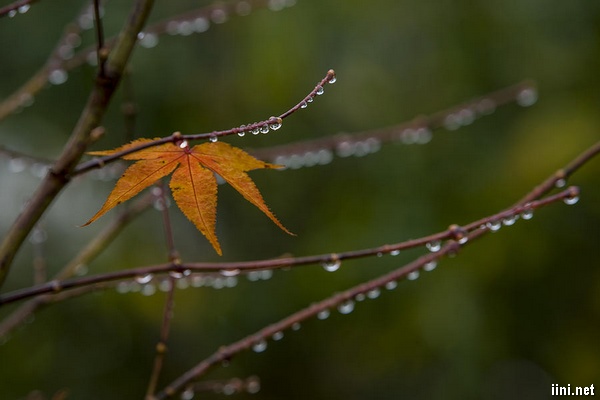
81, 137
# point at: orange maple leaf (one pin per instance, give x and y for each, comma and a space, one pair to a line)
193, 183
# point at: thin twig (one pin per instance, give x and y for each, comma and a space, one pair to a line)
162, 345
100, 51
177, 136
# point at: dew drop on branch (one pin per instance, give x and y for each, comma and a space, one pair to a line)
434, 246
509, 221
527, 97
324, 314
230, 272
144, 279
494, 226
58, 76
394, 252
213, 139
346, 307
527, 214
391, 285
277, 335
374, 293
360, 297
332, 265
430, 266
571, 200
187, 394
16, 165
319, 90
560, 183
412, 275
264, 129
259, 346
201, 24
296, 326
148, 290
304, 104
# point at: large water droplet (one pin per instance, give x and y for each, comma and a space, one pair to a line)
374, 293
148, 290
510, 220
275, 124
149, 40
213, 138
187, 394
430, 266
527, 214
332, 265
412, 275
143, 279
304, 104
58, 76
494, 226
434, 245
320, 90
260, 346
346, 307
16, 165
230, 272
391, 285
333, 79
175, 274
571, 200
394, 252
264, 129
323, 314
201, 24
527, 97
184, 144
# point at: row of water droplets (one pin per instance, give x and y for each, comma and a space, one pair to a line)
525, 97
202, 23
148, 284
250, 385
273, 124
20, 10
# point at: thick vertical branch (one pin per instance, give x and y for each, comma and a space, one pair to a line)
80, 138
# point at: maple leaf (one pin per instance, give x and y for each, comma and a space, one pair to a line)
193, 183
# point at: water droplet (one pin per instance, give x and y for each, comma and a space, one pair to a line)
430, 266
296, 326
264, 129
509, 221
175, 274
360, 297
560, 183
320, 90
527, 97
143, 279
122, 287
252, 385
186, 28
494, 226
38, 236
277, 336
412, 275
452, 122
310, 100
346, 307
201, 24
231, 281
486, 106
527, 214
304, 104
332, 80
255, 131
58, 76
230, 272
16, 165
149, 40
463, 240
187, 394
266, 274
260, 346
213, 139
164, 285
276, 124
571, 200
374, 293
391, 285
65, 52
434, 245
148, 290
184, 144
332, 265
323, 314
229, 389
218, 15
12, 13
394, 252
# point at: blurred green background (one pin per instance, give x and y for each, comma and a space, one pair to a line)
514, 313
